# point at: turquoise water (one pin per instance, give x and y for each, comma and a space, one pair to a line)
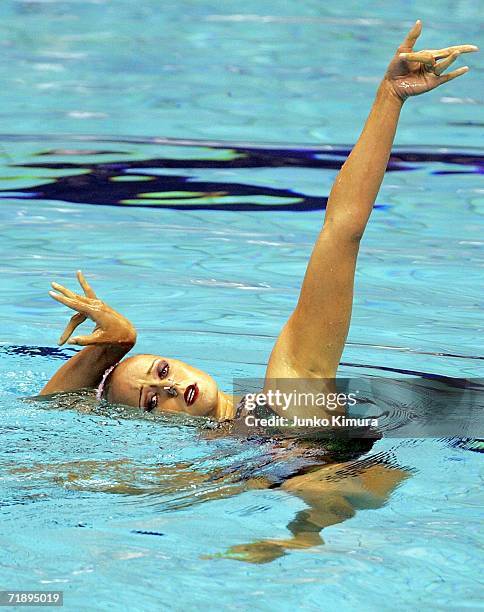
138, 513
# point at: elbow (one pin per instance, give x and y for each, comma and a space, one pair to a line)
355, 236
350, 232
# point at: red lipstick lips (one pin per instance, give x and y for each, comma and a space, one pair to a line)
191, 394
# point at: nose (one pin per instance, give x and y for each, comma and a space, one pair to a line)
172, 387
171, 390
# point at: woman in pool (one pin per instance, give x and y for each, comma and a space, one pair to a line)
309, 346
311, 342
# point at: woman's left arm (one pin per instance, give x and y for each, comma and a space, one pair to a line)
112, 338
312, 341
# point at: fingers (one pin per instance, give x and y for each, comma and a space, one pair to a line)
75, 304
428, 56
453, 75
88, 291
80, 340
84, 307
423, 57
444, 64
412, 36
86, 340
74, 322
439, 53
66, 292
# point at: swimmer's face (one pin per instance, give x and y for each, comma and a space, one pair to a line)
162, 384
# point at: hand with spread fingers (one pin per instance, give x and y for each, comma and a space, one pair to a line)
412, 73
111, 327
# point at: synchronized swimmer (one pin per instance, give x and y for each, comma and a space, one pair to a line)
308, 348
311, 342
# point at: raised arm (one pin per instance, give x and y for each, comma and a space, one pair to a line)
312, 341
112, 338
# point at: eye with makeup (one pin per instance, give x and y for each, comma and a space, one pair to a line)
151, 403
163, 369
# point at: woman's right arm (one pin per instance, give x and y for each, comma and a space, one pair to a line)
112, 338
312, 341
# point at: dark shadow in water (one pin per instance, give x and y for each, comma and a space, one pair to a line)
67, 352
116, 183
38, 351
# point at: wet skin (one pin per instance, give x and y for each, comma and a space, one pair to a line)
311, 342
160, 384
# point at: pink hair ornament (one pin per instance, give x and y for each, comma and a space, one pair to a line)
100, 389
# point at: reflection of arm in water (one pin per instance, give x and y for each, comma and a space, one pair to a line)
333, 493
122, 477
312, 341
112, 338
332, 496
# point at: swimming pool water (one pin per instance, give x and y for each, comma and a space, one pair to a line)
202, 241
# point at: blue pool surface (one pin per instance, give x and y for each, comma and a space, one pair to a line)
181, 154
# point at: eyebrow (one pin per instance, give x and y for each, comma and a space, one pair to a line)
151, 366
141, 388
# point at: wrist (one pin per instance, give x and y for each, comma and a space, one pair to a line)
125, 334
116, 350
122, 341
387, 91
128, 339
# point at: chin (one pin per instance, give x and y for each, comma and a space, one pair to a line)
206, 403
